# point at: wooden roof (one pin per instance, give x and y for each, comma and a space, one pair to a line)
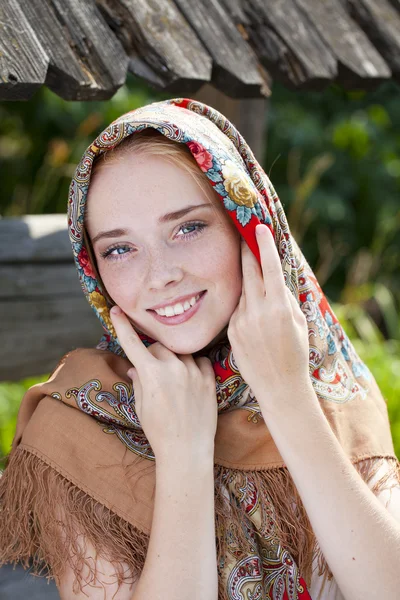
82, 49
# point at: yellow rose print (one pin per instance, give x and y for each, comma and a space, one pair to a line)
237, 186
99, 303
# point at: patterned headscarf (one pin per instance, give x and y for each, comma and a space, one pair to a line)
265, 544
337, 373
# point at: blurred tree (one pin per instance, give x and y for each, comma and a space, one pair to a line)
42, 140
334, 158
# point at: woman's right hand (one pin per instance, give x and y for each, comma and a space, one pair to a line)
175, 396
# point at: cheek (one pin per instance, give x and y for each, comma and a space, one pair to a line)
115, 282
223, 265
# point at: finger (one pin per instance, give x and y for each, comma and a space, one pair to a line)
159, 351
295, 304
252, 284
133, 374
188, 360
128, 339
274, 281
136, 388
207, 370
292, 300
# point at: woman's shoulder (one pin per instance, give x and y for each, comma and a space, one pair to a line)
83, 360
75, 370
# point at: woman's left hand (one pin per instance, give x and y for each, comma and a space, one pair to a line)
268, 331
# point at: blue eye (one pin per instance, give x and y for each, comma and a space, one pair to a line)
199, 228
119, 249
122, 249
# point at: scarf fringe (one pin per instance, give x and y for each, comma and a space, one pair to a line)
45, 520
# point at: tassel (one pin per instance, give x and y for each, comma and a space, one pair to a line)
46, 520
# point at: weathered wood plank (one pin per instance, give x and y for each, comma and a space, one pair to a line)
160, 43
395, 4
34, 238
86, 59
359, 61
36, 281
236, 69
44, 313
177, 46
381, 22
23, 61
36, 334
286, 42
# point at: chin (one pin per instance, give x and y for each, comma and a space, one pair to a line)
185, 348
204, 349
188, 346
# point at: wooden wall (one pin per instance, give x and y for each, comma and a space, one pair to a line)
44, 313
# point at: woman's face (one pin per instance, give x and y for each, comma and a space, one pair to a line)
145, 261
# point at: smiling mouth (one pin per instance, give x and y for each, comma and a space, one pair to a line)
182, 317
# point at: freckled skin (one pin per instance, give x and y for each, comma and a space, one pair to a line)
161, 261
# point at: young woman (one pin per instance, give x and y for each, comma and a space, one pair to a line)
224, 440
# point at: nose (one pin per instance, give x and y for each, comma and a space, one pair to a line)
162, 269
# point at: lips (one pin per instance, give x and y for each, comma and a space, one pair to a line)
185, 316
180, 299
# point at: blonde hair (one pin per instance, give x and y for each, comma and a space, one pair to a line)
151, 142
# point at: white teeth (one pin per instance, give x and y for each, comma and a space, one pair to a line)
177, 309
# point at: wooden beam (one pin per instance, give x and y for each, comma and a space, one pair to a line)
35, 281
161, 45
35, 239
38, 332
359, 62
236, 69
381, 22
87, 62
285, 41
23, 61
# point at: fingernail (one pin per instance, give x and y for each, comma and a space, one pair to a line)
115, 310
261, 229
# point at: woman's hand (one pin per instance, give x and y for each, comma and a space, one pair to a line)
268, 331
175, 396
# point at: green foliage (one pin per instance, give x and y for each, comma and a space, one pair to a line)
42, 141
384, 362
380, 355
10, 398
334, 158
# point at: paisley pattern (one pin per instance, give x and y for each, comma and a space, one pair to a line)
269, 572
336, 371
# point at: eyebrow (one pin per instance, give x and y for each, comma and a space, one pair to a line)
167, 218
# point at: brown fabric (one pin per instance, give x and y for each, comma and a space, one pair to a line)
106, 492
